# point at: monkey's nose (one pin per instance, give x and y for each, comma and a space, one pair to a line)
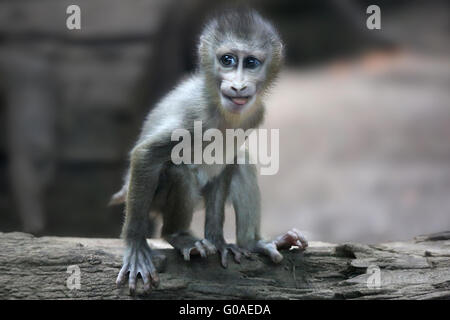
240, 89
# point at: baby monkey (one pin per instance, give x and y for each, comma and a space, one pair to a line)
240, 55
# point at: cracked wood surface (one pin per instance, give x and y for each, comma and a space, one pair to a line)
36, 268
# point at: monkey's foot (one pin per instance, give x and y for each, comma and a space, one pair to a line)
202, 247
235, 250
291, 238
138, 260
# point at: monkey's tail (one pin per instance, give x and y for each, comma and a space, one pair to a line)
119, 197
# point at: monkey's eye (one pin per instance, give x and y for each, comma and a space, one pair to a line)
251, 63
228, 60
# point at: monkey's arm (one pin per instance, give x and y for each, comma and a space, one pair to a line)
145, 166
215, 194
246, 200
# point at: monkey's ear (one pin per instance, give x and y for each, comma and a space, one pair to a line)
279, 52
204, 50
201, 43
281, 49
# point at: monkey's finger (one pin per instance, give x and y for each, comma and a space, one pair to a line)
187, 254
155, 279
146, 280
143, 271
132, 280
153, 275
121, 277
301, 238
151, 269
301, 245
246, 253
236, 254
210, 248
223, 255
200, 249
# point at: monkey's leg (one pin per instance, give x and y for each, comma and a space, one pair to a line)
177, 211
215, 194
145, 170
246, 199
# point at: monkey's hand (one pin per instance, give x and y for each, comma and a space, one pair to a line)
224, 248
286, 241
138, 260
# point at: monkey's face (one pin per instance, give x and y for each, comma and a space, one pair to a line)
240, 73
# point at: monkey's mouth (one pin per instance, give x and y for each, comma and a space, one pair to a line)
239, 101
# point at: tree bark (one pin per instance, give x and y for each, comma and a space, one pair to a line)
39, 268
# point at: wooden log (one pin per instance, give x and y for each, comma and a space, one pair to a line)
40, 268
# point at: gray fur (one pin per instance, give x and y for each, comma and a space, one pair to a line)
154, 183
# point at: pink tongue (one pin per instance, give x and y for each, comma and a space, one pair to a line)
240, 101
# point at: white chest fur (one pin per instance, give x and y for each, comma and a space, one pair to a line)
206, 172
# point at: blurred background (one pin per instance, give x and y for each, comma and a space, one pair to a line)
364, 115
